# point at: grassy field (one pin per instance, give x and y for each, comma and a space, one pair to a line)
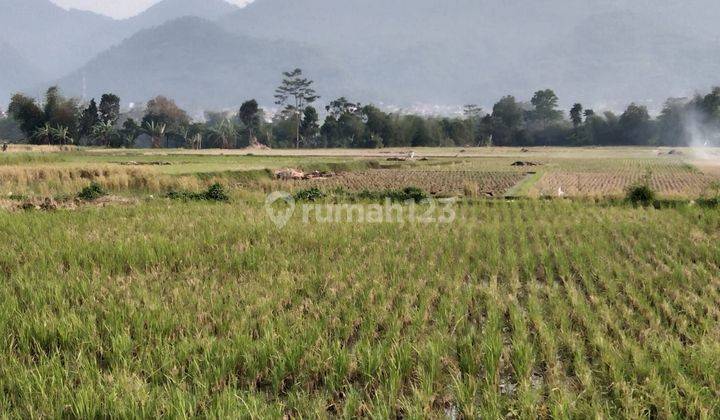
529, 308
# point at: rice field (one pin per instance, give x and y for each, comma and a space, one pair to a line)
437, 183
519, 308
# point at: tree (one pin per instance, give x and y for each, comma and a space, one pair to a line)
129, 132
44, 134
88, 119
309, 127
295, 93
62, 135
507, 119
103, 132
109, 108
635, 126
224, 133
588, 113
472, 112
249, 115
27, 113
379, 127
162, 110
576, 115
60, 111
157, 131
672, 123
545, 103
418, 132
342, 106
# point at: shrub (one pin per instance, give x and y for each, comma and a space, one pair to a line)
216, 192
312, 194
92, 192
408, 194
641, 194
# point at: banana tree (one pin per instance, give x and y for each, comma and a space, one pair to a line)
102, 133
224, 133
61, 134
44, 134
157, 131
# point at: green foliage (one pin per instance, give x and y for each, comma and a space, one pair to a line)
407, 194
89, 119
641, 193
295, 93
311, 194
92, 192
163, 111
545, 103
215, 192
109, 110
27, 113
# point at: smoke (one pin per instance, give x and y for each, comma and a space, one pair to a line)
701, 134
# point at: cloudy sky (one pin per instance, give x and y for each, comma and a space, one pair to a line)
118, 8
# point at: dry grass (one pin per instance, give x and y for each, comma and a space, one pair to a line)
51, 180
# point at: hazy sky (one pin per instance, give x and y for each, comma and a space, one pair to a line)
118, 8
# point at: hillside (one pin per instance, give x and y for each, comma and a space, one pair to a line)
167, 10
197, 63
462, 51
60, 41
16, 71
398, 52
51, 38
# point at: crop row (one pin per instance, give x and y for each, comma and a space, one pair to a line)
678, 184
434, 182
529, 309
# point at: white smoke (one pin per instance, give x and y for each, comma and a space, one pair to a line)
702, 137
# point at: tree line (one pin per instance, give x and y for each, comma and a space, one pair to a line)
347, 124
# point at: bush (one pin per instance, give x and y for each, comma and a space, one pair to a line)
641, 194
216, 192
312, 194
92, 192
408, 194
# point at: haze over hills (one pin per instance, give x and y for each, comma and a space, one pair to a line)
16, 70
51, 38
460, 51
393, 52
167, 10
57, 41
189, 59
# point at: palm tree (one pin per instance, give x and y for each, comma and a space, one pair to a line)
44, 134
62, 135
156, 131
224, 133
102, 132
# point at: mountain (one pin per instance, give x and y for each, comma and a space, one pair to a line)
621, 56
16, 71
60, 41
51, 38
397, 52
198, 64
460, 51
168, 10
